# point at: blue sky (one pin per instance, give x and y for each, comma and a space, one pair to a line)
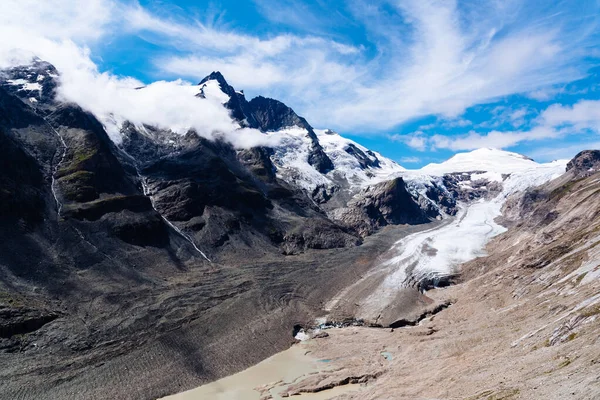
417, 80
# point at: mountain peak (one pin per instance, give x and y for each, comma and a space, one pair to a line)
215, 76
483, 159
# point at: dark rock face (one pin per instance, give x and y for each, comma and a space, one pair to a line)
258, 162
21, 181
440, 196
322, 194
585, 163
273, 115
317, 234
387, 203
363, 159
89, 167
21, 320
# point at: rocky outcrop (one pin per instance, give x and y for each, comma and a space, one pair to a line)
363, 159
21, 320
258, 162
585, 163
465, 186
387, 203
35, 83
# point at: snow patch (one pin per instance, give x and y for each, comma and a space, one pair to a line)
25, 85
290, 158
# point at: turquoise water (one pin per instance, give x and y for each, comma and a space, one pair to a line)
387, 355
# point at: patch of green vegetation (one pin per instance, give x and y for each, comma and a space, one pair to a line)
580, 278
591, 311
79, 186
564, 363
563, 190
84, 155
571, 336
79, 176
11, 299
74, 164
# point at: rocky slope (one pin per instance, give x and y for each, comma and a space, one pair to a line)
522, 323
142, 254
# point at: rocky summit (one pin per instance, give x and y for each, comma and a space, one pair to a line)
139, 260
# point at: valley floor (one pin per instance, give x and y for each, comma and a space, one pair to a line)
504, 337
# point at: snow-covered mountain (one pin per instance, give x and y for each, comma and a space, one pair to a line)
484, 159
344, 179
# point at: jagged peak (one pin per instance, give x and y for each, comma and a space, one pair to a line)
274, 115
215, 76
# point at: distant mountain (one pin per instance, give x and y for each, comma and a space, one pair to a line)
484, 160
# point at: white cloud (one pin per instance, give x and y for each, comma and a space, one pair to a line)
410, 160
584, 114
507, 115
57, 19
544, 94
458, 58
494, 139
554, 122
432, 57
50, 34
243, 70
416, 140
171, 105
562, 152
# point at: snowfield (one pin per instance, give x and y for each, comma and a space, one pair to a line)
348, 166
493, 162
291, 159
